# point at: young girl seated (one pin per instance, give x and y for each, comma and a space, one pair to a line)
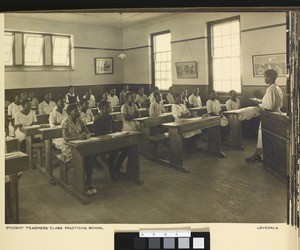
156, 107
214, 107
129, 111
12, 109
86, 115
233, 103
25, 117
72, 97
73, 128
90, 98
179, 111
59, 113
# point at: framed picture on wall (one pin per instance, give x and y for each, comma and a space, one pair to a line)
269, 61
103, 65
186, 70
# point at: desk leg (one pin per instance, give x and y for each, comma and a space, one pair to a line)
235, 135
29, 150
214, 141
14, 198
48, 162
176, 158
78, 177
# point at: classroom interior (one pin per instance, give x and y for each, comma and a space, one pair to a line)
225, 190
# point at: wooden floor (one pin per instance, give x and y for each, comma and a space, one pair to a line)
215, 190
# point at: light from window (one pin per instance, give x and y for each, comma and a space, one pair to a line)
33, 45
61, 51
225, 51
162, 60
8, 48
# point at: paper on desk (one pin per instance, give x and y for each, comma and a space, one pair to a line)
113, 135
89, 139
17, 153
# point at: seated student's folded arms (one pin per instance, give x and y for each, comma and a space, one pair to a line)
73, 128
25, 117
105, 124
179, 111
233, 103
129, 111
86, 115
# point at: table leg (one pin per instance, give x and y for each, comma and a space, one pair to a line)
47, 171
14, 201
29, 150
235, 134
214, 141
176, 158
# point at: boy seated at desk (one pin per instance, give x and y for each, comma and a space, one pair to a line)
47, 106
12, 109
156, 107
184, 97
112, 98
105, 124
141, 99
90, 98
169, 96
86, 115
59, 113
73, 128
24, 118
129, 111
194, 99
233, 103
151, 97
179, 111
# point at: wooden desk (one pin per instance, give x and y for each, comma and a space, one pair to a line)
235, 118
117, 108
48, 134
275, 136
15, 162
92, 146
199, 111
95, 111
178, 128
116, 115
29, 132
42, 119
11, 144
144, 112
168, 107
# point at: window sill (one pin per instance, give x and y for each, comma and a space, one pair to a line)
36, 68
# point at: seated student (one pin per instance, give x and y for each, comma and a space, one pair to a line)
141, 99
124, 91
59, 113
151, 97
12, 109
47, 106
214, 107
34, 101
90, 98
72, 97
170, 97
129, 111
112, 98
156, 107
74, 129
184, 97
7, 102
179, 111
105, 124
25, 117
86, 115
23, 96
233, 103
194, 99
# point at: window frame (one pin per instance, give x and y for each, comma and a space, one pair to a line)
152, 36
209, 48
12, 49
70, 51
42, 52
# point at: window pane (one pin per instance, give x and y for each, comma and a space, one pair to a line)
61, 50
217, 31
217, 42
33, 45
8, 48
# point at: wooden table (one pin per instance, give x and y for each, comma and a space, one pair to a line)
199, 111
178, 128
42, 119
15, 162
11, 144
116, 115
168, 107
48, 134
117, 108
29, 132
144, 112
235, 118
95, 111
93, 146
275, 137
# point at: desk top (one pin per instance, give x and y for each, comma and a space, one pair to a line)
245, 113
33, 129
8, 139
16, 162
51, 133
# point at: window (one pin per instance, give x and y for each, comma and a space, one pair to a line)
161, 60
33, 50
8, 48
224, 51
61, 50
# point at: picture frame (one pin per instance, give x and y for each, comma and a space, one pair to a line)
186, 70
103, 65
261, 63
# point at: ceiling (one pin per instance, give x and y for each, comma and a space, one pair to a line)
109, 20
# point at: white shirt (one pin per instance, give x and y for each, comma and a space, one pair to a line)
233, 105
273, 98
56, 117
113, 100
152, 99
13, 108
156, 109
91, 101
170, 98
45, 108
213, 107
178, 110
195, 100
25, 120
87, 116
